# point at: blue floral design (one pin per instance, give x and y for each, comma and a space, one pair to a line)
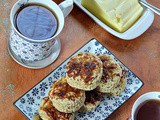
38, 97
28, 95
136, 88
64, 67
107, 52
97, 43
110, 98
35, 91
98, 108
86, 50
120, 95
60, 68
105, 114
81, 114
98, 51
85, 118
89, 48
133, 75
43, 86
105, 103
102, 98
29, 109
117, 98
128, 74
125, 97
109, 108
42, 94
21, 106
30, 100
127, 90
91, 114
98, 118
137, 81
24, 112
50, 81
117, 103
56, 75
22, 100
129, 81
63, 74
30, 114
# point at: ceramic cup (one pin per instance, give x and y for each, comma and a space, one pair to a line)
30, 50
142, 99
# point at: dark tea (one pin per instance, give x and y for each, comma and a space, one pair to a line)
36, 22
150, 110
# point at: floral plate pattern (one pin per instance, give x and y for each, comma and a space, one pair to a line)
28, 104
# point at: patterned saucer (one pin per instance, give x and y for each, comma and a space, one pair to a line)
28, 104
42, 63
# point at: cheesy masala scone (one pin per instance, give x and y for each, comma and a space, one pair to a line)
66, 98
121, 86
84, 71
112, 73
92, 100
48, 112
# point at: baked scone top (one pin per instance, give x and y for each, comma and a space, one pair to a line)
60, 89
110, 68
47, 107
85, 66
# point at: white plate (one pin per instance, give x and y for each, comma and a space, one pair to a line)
142, 24
28, 104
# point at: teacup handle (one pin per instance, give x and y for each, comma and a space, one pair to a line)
66, 7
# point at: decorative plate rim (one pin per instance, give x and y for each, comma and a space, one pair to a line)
14, 103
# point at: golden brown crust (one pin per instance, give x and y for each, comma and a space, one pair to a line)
51, 112
84, 71
84, 67
112, 73
108, 67
65, 98
62, 90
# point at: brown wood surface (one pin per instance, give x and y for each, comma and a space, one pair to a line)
141, 55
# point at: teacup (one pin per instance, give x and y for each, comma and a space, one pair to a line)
30, 50
142, 99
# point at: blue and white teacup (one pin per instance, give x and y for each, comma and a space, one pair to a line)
31, 50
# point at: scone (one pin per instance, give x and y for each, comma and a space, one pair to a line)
48, 112
120, 87
93, 99
84, 71
65, 98
112, 73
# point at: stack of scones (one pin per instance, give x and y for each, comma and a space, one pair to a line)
88, 77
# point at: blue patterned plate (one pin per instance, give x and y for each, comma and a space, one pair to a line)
28, 104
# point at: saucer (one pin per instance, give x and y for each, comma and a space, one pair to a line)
42, 63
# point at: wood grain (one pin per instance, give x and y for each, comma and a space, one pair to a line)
141, 55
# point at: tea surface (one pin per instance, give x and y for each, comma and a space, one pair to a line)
149, 111
36, 22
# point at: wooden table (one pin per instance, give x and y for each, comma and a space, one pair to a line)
141, 55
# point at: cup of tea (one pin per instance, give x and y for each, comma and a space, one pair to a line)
147, 107
35, 25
